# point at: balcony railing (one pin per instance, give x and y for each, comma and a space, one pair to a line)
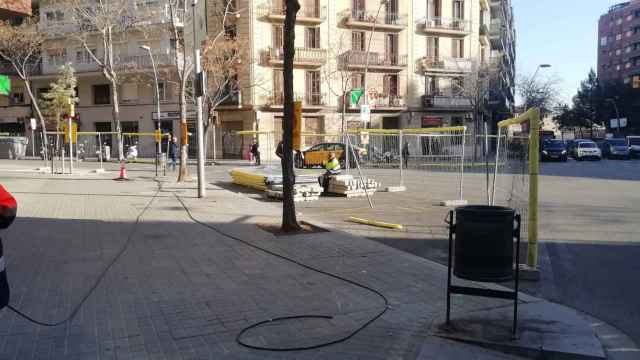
438, 64
382, 21
308, 13
446, 25
354, 58
445, 100
308, 99
144, 61
309, 57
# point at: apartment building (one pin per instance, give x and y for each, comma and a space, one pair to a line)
502, 63
619, 45
410, 58
138, 111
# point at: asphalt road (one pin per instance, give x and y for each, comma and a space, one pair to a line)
589, 227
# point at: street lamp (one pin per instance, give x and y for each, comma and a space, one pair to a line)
541, 66
615, 106
155, 77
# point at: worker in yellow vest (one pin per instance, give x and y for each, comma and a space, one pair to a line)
332, 167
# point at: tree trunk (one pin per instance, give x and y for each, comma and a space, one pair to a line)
183, 172
289, 220
116, 119
36, 107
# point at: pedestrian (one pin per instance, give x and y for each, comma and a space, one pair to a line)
332, 167
173, 152
255, 151
405, 154
280, 150
8, 209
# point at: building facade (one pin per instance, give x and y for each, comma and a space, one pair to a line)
619, 45
420, 55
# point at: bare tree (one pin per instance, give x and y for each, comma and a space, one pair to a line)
224, 58
540, 92
338, 77
21, 46
289, 219
105, 22
183, 65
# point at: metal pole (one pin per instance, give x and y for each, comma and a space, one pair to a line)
486, 160
401, 159
100, 148
70, 145
464, 135
197, 70
534, 169
33, 143
495, 172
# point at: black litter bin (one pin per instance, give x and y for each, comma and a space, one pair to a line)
484, 243
483, 251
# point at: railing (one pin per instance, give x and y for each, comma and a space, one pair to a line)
445, 99
310, 11
308, 99
302, 55
450, 64
383, 18
144, 61
451, 24
359, 58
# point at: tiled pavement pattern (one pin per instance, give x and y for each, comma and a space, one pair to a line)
182, 291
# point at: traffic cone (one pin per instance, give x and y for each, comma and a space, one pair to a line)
123, 172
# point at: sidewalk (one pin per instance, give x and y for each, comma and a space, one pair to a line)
184, 291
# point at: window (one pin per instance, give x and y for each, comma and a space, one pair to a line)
84, 57
627, 65
312, 38
313, 96
618, 37
129, 92
457, 86
391, 49
357, 81
618, 21
230, 31
458, 9
636, 82
162, 90
618, 51
457, 48
358, 41
433, 47
278, 37
603, 41
390, 83
57, 57
16, 98
101, 94
432, 86
54, 15
618, 67
637, 13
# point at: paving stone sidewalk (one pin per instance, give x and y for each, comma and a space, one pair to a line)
185, 291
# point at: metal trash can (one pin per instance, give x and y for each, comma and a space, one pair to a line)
13, 148
484, 243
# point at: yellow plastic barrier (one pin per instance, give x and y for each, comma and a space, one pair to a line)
375, 223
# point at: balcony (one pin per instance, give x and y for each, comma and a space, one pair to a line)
446, 101
497, 35
444, 26
140, 16
304, 57
367, 20
381, 101
377, 62
308, 15
310, 101
437, 65
144, 61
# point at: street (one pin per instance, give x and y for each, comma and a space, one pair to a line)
589, 216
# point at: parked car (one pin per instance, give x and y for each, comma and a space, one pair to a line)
587, 150
554, 150
634, 145
571, 147
317, 154
615, 148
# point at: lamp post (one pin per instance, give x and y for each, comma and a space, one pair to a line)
615, 106
366, 64
541, 66
199, 92
155, 77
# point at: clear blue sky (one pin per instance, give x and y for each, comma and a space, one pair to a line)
562, 33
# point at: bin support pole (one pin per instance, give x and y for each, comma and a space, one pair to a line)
401, 159
534, 169
451, 230
100, 148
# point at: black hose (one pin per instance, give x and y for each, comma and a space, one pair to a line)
100, 277
304, 316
